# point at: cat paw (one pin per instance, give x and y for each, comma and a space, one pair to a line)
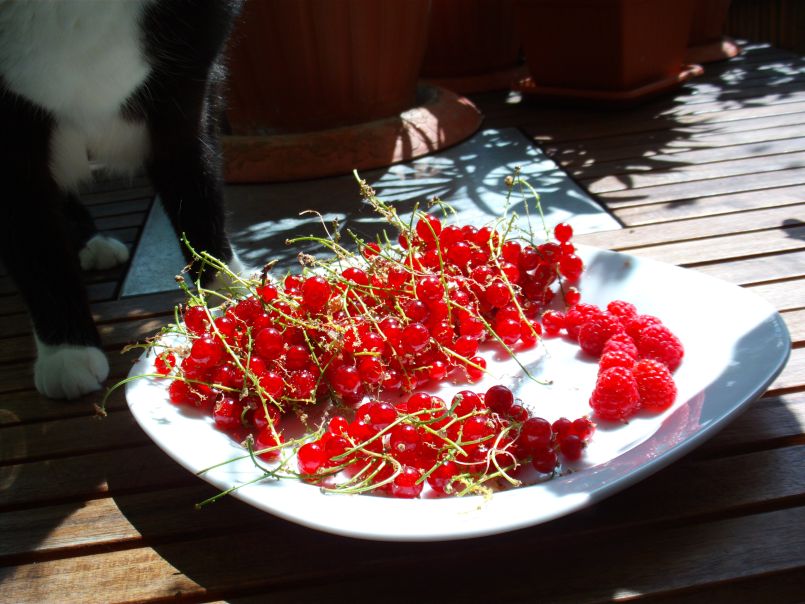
102, 252
223, 281
66, 371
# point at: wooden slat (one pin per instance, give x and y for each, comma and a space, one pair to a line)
113, 335
727, 247
710, 205
793, 375
687, 173
694, 190
784, 295
758, 270
678, 166
716, 551
710, 226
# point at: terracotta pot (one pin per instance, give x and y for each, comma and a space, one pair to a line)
707, 42
299, 65
617, 50
470, 37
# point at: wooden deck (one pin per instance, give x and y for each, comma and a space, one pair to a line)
711, 178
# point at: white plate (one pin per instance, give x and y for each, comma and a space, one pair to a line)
735, 345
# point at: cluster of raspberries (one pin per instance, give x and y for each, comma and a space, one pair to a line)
638, 355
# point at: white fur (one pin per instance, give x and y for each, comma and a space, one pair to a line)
80, 60
69, 372
102, 252
222, 281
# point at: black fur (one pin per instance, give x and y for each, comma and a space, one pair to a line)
43, 227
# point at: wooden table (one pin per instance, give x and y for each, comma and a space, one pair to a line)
712, 179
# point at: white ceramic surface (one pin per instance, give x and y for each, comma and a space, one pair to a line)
735, 343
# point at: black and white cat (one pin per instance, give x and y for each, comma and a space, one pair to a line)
133, 84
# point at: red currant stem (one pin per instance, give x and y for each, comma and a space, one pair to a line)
228, 491
451, 443
362, 445
524, 183
464, 360
493, 457
446, 208
388, 212
367, 483
261, 392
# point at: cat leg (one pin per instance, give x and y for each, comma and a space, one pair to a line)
96, 251
36, 248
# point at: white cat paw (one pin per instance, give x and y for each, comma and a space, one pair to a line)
102, 252
223, 281
66, 371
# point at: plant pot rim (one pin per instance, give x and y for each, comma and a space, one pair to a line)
442, 120
528, 88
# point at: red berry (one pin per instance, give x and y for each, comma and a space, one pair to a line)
563, 232
553, 322
227, 413
268, 343
207, 351
583, 428
636, 325
195, 319
465, 402
316, 293
499, 399
414, 337
615, 397
625, 311
595, 332
622, 343
268, 439
544, 461
571, 447
655, 384
310, 458
658, 343
164, 363
572, 296
406, 485
536, 433
571, 267
616, 358
442, 478
577, 316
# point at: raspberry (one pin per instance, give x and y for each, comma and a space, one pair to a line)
615, 358
655, 384
593, 334
621, 342
615, 396
578, 315
622, 309
658, 343
636, 325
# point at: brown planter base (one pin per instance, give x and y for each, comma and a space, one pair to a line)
607, 97
441, 120
502, 79
717, 50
